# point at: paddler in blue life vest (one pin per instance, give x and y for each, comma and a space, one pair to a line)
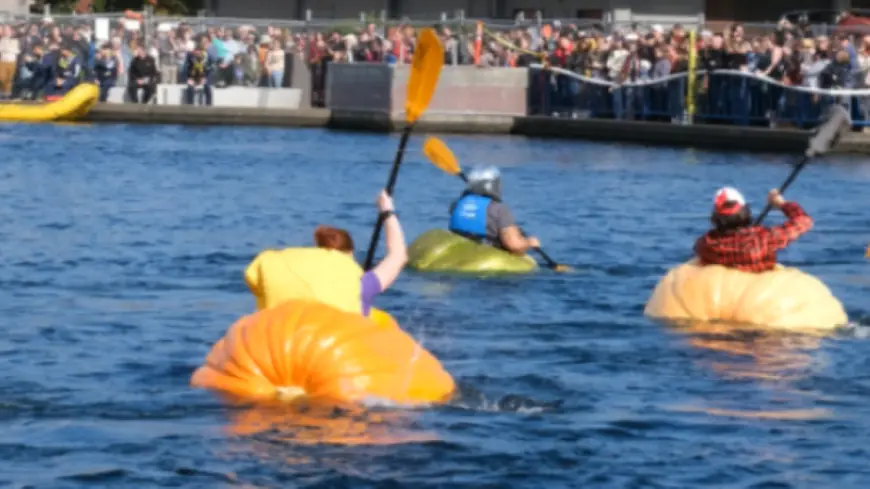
480, 215
69, 72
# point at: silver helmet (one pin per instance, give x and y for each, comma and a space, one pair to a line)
485, 181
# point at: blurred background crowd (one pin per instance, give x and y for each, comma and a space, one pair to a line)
589, 69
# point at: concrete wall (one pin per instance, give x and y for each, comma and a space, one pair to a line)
13, 7
469, 89
293, 9
423, 10
360, 86
569, 8
241, 97
460, 90
697, 135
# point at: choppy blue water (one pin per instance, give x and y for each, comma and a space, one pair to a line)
122, 250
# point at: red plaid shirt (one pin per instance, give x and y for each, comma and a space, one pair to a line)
753, 249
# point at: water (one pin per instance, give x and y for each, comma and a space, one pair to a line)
122, 253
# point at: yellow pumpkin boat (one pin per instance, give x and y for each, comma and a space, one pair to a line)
440, 250
785, 298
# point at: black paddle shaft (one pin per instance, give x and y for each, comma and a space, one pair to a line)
794, 173
827, 136
550, 262
391, 183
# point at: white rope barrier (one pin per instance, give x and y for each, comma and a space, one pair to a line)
839, 92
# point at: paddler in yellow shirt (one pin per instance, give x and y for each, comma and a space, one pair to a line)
328, 272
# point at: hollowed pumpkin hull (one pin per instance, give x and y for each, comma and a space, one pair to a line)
439, 250
785, 298
305, 348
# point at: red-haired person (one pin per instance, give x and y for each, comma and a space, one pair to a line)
382, 276
735, 242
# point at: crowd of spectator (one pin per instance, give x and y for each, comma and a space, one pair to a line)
46, 58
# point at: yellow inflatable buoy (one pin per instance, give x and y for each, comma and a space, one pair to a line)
785, 298
73, 106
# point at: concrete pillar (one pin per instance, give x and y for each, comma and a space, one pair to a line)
841, 4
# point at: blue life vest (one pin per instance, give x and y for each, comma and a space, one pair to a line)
469, 216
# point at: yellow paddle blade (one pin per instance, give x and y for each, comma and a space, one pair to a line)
441, 156
562, 268
428, 60
867, 253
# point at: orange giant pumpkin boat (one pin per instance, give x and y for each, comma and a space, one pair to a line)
306, 348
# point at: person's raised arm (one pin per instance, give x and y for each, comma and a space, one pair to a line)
797, 222
391, 266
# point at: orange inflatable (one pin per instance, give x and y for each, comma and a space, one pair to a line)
309, 349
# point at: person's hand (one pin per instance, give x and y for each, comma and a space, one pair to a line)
774, 198
385, 202
190, 82
533, 242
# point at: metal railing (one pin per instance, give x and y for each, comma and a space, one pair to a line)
728, 97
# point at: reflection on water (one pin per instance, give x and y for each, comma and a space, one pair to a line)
775, 359
781, 415
304, 423
753, 353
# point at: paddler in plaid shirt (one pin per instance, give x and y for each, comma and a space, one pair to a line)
736, 243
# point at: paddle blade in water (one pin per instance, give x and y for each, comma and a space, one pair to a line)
562, 268
837, 122
441, 156
428, 60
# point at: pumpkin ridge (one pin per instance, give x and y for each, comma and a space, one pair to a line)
340, 340
676, 290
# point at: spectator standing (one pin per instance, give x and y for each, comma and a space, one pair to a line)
316, 59
106, 69
197, 71
836, 74
142, 75
275, 65
239, 74
9, 50
68, 72
44, 68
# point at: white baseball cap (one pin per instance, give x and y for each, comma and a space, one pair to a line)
728, 201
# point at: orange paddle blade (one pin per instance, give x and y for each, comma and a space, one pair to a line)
428, 60
440, 155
